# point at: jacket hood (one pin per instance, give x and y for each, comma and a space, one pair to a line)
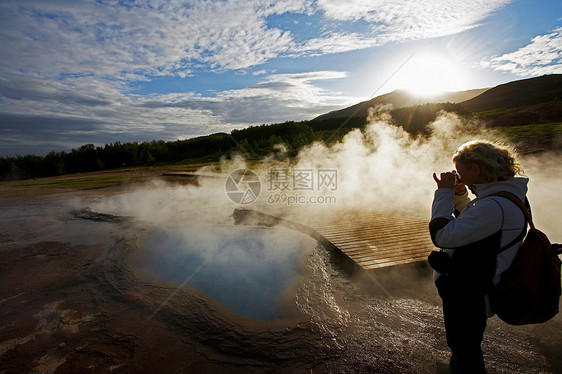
517, 186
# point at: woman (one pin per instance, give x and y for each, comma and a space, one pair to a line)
479, 240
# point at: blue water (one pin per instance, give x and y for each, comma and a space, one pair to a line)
246, 269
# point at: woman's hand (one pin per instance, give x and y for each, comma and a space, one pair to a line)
459, 188
446, 180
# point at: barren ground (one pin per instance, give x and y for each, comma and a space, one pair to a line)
68, 305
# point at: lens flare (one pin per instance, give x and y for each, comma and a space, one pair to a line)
428, 74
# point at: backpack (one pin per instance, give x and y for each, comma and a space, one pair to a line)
529, 290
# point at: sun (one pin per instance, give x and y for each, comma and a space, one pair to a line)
427, 74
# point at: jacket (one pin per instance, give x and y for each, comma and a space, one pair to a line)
486, 219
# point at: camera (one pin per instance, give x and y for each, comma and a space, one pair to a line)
457, 177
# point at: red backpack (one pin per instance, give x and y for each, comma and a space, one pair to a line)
529, 290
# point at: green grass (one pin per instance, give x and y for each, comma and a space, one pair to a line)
493, 111
101, 179
191, 167
82, 183
532, 138
542, 130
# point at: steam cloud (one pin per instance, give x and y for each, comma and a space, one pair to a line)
384, 168
380, 168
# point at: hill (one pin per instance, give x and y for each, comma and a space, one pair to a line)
529, 112
517, 94
401, 99
550, 112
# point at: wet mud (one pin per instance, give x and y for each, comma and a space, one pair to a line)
72, 301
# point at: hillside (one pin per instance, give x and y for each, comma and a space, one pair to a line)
517, 94
401, 99
528, 112
550, 112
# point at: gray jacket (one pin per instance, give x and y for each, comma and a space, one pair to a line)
479, 219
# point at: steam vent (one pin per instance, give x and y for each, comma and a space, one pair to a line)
372, 240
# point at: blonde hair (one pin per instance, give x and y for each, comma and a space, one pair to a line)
496, 162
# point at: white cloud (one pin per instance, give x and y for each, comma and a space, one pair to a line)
64, 116
178, 37
66, 59
338, 42
294, 91
410, 20
278, 98
110, 39
543, 55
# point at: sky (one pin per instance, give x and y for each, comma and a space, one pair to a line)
78, 72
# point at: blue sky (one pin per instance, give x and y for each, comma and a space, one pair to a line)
77, 72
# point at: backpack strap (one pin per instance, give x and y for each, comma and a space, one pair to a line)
517, 201
528, 219
557, 248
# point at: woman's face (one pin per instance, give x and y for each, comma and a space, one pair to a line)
470, 173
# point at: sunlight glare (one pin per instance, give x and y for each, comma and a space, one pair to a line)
428, 74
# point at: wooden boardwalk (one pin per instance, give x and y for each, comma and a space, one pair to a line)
377, 240
372, 240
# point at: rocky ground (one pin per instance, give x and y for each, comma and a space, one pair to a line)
70, 303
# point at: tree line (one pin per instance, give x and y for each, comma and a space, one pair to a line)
253, 141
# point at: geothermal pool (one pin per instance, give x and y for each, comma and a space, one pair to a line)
249, 270
103, 291
298, 305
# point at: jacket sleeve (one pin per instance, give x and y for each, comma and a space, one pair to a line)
478, 221
460, 202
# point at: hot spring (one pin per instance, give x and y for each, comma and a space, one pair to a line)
249, 270
274, 299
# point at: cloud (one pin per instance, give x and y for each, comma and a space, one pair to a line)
338, 42
543, 55
113, 39
67, 60
40, 134
76, 91
129, 41
278, 98
407, 20
64, 114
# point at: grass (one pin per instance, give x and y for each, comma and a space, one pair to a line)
532, 138
518, 133
82, 183
493, 111
114, 177
191, 167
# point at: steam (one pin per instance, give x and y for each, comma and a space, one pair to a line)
383, 168
544, 192
379, 168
